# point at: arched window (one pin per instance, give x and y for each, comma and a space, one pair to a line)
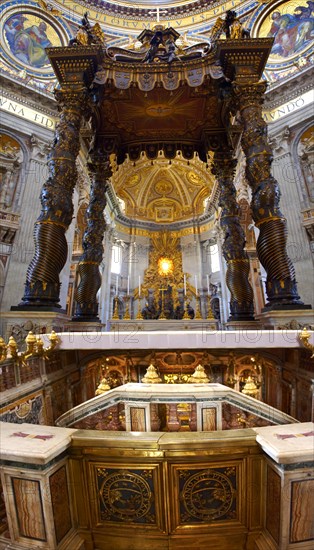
116, 259
214, 258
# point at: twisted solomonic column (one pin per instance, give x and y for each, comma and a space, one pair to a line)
42, 287
88, 267
281, 285
238, 263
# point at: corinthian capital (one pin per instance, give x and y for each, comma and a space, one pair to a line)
249, 94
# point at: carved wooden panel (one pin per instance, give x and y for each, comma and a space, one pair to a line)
127, 494
203, 496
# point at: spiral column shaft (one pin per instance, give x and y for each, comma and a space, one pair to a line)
42, 287
281, 285
238, 263
88, 267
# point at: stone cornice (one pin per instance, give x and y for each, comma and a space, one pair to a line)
289, 89
35, 99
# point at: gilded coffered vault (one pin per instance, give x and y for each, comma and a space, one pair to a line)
163, 192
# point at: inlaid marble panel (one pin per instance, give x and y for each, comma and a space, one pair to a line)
29, 509
302, 511
273, 504
138, 421
60, 503
209, 419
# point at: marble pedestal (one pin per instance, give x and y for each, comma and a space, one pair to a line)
293, 319
19, 323
289, 487
36, 487
136, 325
243, 325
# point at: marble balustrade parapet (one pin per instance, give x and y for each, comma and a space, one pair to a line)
171, 339
286, 444
138, 395
31, 445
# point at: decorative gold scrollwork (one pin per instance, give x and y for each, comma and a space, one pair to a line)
304, 337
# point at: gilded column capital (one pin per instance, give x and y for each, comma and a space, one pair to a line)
224, 165
99, 165
246, 94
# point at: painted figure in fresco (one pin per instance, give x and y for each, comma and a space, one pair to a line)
28, 44
292, 31
14, 25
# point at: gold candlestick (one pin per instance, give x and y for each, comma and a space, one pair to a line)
139, 311
127, 310
115, 310
185, 304
162, 315
210, 314
197, 308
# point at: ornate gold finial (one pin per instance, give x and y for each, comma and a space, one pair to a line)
199, 376
151, 376
210, 314
250, 387
3, 349
88, 34
34, 348
139, 310
115, 314
198, 314
103, 387
304, 336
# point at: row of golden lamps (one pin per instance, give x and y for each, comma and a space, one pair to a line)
34, 348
